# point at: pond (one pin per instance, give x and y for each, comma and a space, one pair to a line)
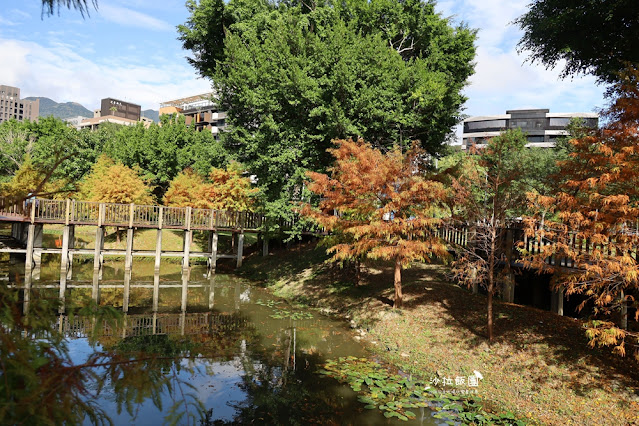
199, 349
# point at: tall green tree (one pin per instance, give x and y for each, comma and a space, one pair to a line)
294, 75
596, 37
162, 151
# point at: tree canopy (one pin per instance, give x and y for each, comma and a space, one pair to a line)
294, 76
598, 37
595, 215
384, 207
223, 190
113, 182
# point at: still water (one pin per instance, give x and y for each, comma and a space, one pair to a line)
207, 349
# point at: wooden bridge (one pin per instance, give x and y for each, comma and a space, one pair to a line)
29, 217
513, 241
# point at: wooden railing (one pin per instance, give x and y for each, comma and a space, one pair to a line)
69, 212
514, 241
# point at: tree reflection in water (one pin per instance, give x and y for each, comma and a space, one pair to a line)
96, 364
41, 384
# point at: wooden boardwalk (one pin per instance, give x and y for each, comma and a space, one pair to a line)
73, 212
29, 217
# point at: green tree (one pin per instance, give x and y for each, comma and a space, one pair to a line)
491, 190
598, 37
203, 33
294, 77
162, 151
15, 142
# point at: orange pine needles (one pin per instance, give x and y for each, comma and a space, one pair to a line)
378, 206
594, 218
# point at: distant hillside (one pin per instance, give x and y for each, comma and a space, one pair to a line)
65, 110
152, 114
73, 109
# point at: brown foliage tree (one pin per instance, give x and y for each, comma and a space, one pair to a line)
594, 219
380, 204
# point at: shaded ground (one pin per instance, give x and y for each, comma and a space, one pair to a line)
540, 366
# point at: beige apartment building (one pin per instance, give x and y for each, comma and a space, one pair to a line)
114, 111
11, 106
199, 111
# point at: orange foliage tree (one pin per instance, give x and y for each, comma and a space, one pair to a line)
380, 204
112, 182
224, 190
596, 206
185, 190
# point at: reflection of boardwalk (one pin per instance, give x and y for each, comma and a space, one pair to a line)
151, 324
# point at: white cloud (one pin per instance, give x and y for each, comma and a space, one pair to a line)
62, 74
503, 79
131, 18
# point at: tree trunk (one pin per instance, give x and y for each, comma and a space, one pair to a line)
491, 281
358, 271
117, 234
491, 287
398, 283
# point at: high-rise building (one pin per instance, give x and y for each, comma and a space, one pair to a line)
200, 111
11, 106
542, 128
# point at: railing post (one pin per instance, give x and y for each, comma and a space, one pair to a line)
158, 249
161, 218
33, 210
187, 240
99, 245
128, 260
213, 240
101, 214
67, 212
131, 213
95, 292
156, 295
30, 244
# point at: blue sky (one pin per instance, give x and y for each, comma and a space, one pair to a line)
128, 50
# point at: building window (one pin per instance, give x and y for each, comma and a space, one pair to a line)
535, 138
559, 122
489, 124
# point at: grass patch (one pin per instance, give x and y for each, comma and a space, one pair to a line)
539, 368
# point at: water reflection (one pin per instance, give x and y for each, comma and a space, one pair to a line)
209, 348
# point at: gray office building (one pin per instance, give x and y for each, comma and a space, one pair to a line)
542, 128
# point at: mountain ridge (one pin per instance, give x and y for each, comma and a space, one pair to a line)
64, 110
